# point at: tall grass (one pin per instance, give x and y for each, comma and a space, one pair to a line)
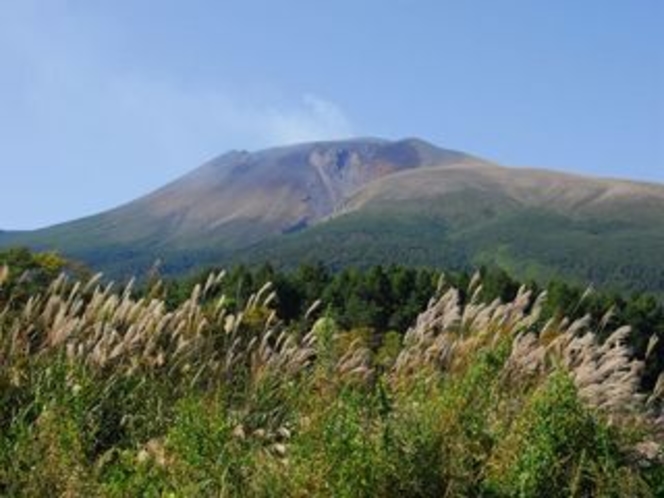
104, 393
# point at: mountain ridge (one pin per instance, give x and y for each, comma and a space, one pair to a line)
248, 206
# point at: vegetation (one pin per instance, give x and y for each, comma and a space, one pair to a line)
109, 392
464, 231
380, 300
615, 251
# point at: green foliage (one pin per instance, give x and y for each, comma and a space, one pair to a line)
470, 229
376, 298
339, 453
30, 272
205, 457
183, 393
556, 447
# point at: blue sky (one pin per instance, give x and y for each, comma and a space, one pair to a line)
103, 101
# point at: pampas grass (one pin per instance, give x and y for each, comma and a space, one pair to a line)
450, 333
130, 397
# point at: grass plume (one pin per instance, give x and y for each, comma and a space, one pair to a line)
108, 392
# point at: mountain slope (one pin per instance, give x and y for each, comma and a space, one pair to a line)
536, 223
240, 197
375, 201
469, 228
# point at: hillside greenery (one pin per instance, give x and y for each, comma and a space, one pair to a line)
614, 251
226, 385
463, 233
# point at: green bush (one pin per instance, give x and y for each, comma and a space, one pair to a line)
557, 447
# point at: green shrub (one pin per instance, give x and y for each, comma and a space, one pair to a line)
557, 447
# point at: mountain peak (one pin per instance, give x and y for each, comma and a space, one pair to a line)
392, 198
395, 154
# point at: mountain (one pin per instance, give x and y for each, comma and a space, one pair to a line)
369, 201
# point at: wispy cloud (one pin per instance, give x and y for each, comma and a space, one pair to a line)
166, 116
66, 73
71, 108
314, 118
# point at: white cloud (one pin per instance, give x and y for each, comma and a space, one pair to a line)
314, 118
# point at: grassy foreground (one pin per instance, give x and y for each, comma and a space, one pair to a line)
104, 393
